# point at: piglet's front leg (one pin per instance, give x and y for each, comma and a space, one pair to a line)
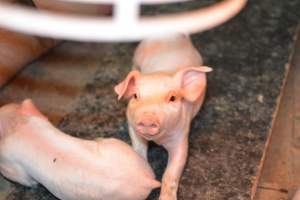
139, 144
177, 159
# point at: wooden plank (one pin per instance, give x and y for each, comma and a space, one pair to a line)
280, 169
270, 194
295, 139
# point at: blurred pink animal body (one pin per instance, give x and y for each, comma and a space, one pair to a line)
167, 89
33, 151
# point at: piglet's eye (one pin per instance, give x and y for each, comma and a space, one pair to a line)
172, 98
135, 96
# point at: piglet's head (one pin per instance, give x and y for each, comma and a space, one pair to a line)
159, 102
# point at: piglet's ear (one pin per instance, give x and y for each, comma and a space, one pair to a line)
192, 81
28, 108
127, 87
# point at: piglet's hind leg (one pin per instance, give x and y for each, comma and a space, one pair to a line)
17, 174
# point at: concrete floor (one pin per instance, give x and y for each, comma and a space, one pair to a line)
74, 86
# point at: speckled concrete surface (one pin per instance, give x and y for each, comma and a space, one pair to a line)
248, 55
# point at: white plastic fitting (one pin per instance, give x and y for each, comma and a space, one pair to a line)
125, 25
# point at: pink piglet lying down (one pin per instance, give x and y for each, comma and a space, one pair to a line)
33, 151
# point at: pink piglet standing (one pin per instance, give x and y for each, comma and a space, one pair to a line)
33, 151
166, 89
165, 98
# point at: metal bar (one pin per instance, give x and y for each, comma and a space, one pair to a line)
127, 14
61, 26
120, 1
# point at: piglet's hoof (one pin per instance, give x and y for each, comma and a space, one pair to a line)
167, 196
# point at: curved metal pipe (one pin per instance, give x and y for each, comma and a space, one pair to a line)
80, 28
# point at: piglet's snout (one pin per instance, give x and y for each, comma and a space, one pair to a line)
148, 124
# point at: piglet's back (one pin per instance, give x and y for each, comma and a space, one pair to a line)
106, 169
70, 168
166, 54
